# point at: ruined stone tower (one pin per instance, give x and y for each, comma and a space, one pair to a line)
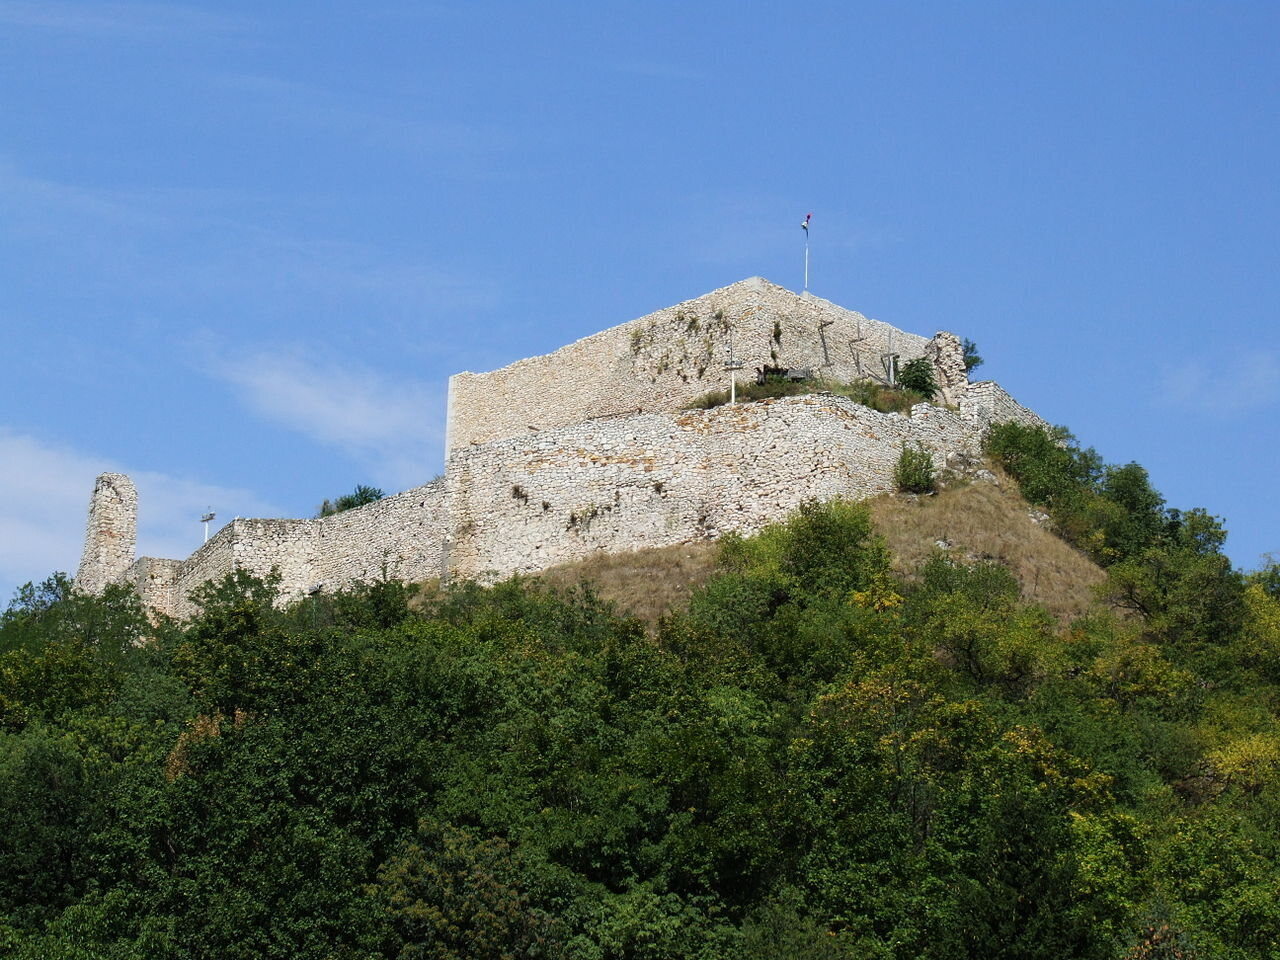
111, 536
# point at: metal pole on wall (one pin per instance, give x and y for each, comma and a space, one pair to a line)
731, 366
805, 226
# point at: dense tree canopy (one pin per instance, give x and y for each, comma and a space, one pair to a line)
814, 760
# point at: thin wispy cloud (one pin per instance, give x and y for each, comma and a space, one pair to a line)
1239, 385
117, 21
389, 424
44, 500
217, 247
388, 122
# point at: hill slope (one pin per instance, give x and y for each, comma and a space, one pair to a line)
980, 521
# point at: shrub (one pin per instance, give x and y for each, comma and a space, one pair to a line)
971, 357
1047, 464
877, 396
914, 472
357, 498
917, 375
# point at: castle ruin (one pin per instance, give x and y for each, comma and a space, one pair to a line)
593, 448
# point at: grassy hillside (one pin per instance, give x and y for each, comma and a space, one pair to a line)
973, 522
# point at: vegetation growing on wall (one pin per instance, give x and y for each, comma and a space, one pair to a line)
878, 396
913, 473
359, 497
972, 359
810, 759
917, 375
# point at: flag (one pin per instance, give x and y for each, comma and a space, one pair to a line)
805, 224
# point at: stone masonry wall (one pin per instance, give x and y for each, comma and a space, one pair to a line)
399, 536
211, 560
111, 534
526, 503
663, 360
589, 449
986, 403
154, 581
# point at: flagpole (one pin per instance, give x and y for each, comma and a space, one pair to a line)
805, 225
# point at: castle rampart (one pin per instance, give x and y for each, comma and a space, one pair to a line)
525, 503
399, 536
662, 361
987, 402
518, 497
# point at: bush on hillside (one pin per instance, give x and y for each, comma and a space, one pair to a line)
914, 471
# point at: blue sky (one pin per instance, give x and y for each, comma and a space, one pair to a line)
243, 245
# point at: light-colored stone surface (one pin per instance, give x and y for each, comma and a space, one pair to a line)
662, 361
986, 402
946, 351
111, 534
614, 463
525, 503
400, 536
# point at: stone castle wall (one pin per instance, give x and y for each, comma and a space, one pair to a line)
987, 402
400, 536
111, 534
662, 361
525, 503
589, 449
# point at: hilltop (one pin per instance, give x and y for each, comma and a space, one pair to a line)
610, 444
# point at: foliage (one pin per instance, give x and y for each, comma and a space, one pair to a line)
972, 359
881, 397
1165, 565
1267, 577
917, 375
810, 759
359, 497
913, 472
449, 895
1182, 584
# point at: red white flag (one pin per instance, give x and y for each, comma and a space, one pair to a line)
805, 224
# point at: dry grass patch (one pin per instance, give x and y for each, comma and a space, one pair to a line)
983, 521
646, 584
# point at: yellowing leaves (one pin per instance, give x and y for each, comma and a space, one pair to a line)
1250, 762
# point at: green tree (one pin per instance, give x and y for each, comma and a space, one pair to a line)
359, 497
972, 359
917, 375
447, 895
1183, 586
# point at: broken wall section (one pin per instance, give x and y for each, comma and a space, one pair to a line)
111, 533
